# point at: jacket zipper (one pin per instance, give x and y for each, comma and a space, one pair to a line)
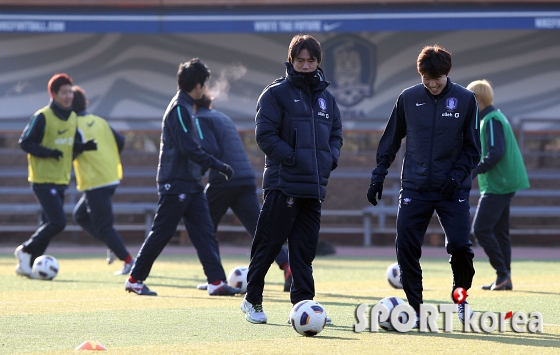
432, 146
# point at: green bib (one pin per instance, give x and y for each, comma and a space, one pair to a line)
509, 175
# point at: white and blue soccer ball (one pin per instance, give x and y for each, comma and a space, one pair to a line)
391, 302
394, 275
45, 267
237, 278
308, 317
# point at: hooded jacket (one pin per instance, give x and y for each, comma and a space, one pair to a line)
299, 129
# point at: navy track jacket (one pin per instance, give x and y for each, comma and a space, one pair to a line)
442, 138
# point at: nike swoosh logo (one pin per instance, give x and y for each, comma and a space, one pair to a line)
461, 200
91, 123
296, 100
60, 132
331, 26
423, 103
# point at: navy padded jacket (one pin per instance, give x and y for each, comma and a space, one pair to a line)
299, 129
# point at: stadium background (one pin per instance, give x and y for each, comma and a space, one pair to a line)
125, 54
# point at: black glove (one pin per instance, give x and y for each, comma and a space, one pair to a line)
56, 154
90, 145
449, 188
226, 171
376, 188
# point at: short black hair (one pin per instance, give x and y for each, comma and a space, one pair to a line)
301, 42
191, 73
205, 101
79, 103
434, 61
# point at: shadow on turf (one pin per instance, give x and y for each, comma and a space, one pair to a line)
543, 340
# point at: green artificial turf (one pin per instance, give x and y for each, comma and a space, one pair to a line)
87, 302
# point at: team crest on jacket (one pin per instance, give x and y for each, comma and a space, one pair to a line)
322, 104
451, 103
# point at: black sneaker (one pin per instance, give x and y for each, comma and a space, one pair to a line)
287, 279
138, 288
502, 283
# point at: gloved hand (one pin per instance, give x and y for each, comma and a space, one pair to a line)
56, 154
376, 188
90, 145
226, 171
449, 188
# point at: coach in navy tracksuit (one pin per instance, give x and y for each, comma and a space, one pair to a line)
298, 127
219, 137
439, 120
181, 194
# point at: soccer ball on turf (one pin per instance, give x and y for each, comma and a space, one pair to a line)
391, 302
308, 317
45, 267
238, 278
394, 275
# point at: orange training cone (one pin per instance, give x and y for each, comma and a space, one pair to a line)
90, 345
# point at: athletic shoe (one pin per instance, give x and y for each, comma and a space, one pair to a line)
461, 311
253, 313
492, 287
502, 283
287, 279
20, 272
110, 257
222, 289
202, 287
126, 269
138, 288
24, 261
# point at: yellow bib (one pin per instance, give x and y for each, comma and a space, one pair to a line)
59, 135
99, 167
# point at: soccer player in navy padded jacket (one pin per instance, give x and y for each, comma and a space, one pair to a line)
298, 127
439, 120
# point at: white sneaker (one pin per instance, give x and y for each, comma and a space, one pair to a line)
126, 269
24, 262
20, 272
462, 309
111, 257
253, 313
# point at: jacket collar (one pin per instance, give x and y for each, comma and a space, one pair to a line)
185, 97
299, 80
486, 111
443, 92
